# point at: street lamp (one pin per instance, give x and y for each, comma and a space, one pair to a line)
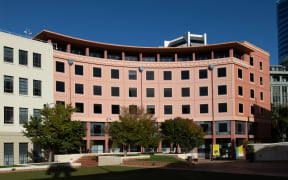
141, 69
211, 67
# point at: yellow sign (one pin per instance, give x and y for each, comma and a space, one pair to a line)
240, 151
216, 150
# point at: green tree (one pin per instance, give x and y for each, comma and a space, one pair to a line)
54, 131
279, 117
135, 127
182, 132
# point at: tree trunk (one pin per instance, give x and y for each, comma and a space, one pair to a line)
124, 150
50, 156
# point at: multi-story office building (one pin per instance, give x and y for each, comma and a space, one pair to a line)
26, 69
279, 85
282, 18
223, 87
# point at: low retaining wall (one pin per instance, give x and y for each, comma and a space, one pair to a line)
271, 152
117, 160
158, 164
181, 156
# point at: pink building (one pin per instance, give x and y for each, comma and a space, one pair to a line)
223, 87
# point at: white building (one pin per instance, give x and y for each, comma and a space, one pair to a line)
187, 40
26, 83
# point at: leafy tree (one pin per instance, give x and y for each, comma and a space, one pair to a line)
279, 117
182, 132
54, 130
135, 127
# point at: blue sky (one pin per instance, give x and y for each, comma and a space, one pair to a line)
149, 22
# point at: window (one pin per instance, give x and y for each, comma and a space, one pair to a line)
115, 109
240, 76
8, 154
115, 91
132, 92
261, 96
206, 126
261, 81
251, 77
203, 74
37, 60
260, 65
36, 88
151, 109
262, 111
150, 92
167, 92
133, 109
222, 90
132, 75
222, 107
97, 108
60, 67
252, 93
23, 57
185, 92
97, 129
60, 86
167, 75
37, 113
78, 70
80, 107
186, 109
203, 108
23, 86
23, 115
8, 115
168, 109
79, 88
149, 75
97, 72
8, 84
240, 90
8, 54
241, 108
252, 109
222, 127
97, 90
23, 153
185, 75
60, 102
203, 91
221, 72
251, 61
114, 73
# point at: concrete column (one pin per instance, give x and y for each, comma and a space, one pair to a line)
246, 57
160, 143
140, 56
49, 41
233, 139
158, 57
212, 54
87, 51
176, 57
105, 54
88, 137
106, 138
246, 131
68, 48
193, 56
123, 55
231, 52
214, 132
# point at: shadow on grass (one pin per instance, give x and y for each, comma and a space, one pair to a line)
56, 170
109, 172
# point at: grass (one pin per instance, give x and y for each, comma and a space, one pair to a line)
120, 172
161, 159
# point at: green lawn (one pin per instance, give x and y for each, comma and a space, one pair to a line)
161, 159
110, 172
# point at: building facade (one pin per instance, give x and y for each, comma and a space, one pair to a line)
26, 69
282, 21
279, 85
223, 87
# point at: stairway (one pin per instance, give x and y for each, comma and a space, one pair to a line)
88, 161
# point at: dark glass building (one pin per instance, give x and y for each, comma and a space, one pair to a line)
282, 18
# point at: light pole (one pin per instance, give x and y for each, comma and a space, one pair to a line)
141, 69
70, 62
211, 67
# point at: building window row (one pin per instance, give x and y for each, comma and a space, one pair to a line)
23, 86
23, 115
23, 57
